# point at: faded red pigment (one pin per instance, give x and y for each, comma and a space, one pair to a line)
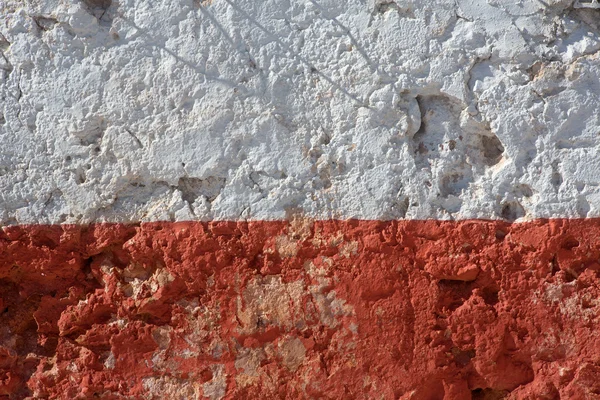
301, 309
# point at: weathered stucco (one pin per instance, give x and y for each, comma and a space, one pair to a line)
362, 310
242, 199
237, 109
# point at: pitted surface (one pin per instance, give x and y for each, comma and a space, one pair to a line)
420, 310
235, 109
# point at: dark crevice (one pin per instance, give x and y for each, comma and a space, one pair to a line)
488, 394
490, 295
500, 234
512, 210
492, 149
45, 23
463, 357
192, 188
98, 8
556, 179
554, 265
452, 294
570, 243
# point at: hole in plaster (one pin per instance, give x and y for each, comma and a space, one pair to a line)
403, 207
452, 294
80, 178
500, 234
556, 179
192, 188
435, 146
45, 23
554, 268
568, 276
490, 295
512, 210
98, 8
570, 243
488, 394
383, 6
4, 44
325, 182
492, 149
92, 131
103, 4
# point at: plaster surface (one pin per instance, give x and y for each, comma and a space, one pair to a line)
301, 309
245, 199
137, 110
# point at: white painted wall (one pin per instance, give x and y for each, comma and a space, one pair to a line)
245, 109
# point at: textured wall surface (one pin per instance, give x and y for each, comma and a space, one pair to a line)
302, 309
358, 199
230, 109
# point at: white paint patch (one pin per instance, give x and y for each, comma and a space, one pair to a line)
236, 109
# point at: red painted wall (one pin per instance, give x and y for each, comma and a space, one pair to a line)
301, 309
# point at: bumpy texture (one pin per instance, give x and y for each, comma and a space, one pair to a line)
136, 110
322, 310
242, 199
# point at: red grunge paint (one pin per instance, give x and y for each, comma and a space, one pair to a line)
301, 309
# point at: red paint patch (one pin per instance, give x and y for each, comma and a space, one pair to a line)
356, 309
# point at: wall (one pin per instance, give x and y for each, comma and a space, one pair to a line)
311, 199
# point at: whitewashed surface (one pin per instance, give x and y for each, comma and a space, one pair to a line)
136, 110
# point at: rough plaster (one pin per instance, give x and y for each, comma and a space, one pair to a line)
301, 309
237, 109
